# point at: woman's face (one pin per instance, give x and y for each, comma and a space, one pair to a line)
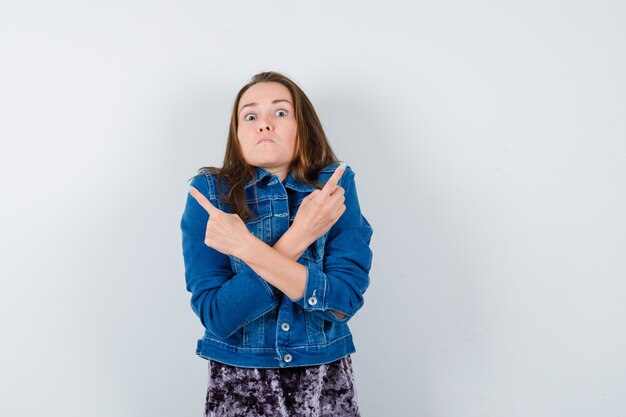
267, 128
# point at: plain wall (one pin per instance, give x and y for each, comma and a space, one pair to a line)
489, 145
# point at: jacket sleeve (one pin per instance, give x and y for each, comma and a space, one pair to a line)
224, 301
347, 261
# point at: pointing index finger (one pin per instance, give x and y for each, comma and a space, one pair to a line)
334, 179
202, 200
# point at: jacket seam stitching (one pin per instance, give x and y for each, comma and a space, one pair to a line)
274, 348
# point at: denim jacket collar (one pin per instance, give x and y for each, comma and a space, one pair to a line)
289, 182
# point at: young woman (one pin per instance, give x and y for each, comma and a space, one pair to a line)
277, 260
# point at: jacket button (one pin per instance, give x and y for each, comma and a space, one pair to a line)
287, 358
285, 326
313, 300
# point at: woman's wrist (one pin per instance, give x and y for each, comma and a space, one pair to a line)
248, 244
292, 243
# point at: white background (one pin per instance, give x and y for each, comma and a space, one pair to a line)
489, 145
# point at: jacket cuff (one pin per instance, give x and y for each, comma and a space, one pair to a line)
314, 297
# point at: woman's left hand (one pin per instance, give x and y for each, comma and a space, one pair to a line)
225, 232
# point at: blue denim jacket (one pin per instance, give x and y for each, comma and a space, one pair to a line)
250, 323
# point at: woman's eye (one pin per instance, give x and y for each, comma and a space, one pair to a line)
249, 114
284, 112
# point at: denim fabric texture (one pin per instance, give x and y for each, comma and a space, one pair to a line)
250, 323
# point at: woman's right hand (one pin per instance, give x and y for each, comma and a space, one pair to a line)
321, 209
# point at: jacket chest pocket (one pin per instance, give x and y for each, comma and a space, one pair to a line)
259, 226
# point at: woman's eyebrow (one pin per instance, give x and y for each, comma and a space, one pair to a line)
254, 104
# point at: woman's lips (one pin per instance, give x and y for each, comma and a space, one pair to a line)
264, 140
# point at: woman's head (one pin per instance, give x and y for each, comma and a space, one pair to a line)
266, 127
273, 106
306, 152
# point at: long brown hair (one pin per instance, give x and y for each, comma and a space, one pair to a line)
312, 152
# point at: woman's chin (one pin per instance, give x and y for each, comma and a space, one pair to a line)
269, 163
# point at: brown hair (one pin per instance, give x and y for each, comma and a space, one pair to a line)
312, 152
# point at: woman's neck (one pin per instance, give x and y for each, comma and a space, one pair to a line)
281, 173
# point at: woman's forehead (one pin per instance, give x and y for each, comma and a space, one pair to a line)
265, 93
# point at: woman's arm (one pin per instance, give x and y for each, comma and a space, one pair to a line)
222, 300
340, 286
291, 244
276, 268
276, 264
317, 213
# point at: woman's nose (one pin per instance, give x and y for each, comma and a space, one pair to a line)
265, 123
